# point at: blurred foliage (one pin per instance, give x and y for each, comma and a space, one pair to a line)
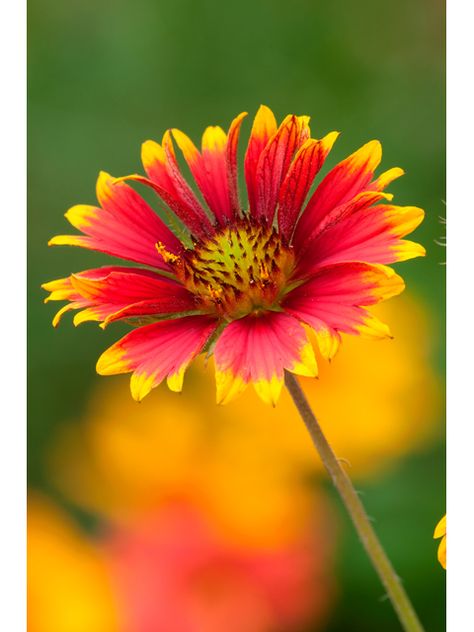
103, 77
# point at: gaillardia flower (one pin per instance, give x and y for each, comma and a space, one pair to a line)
244, 281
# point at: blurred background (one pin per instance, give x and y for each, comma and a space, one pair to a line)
176, 515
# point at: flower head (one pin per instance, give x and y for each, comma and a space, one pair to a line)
244, 281
440, 532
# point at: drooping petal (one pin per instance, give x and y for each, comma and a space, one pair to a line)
264, 127
372, 235
306, 164
111, 293
273, 166
335, 298
127, 294
125, 226
162, 349
257, 349
349, 178
64, 290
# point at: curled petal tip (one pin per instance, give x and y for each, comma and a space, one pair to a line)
131, 176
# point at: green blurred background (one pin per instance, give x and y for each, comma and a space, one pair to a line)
103, 77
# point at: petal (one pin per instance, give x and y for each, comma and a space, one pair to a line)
372, 235
154, 163
215, 168
130, 293
305, 130
165, 177
111, 293
386, 178
209, 169
163, 349
304, 243
231, 154
63, 290
306, 164
440, 528
124, 227
273, 166
258, 349
349, 178
264, 127
327, 338
337, 295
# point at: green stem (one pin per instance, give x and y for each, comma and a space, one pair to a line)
375, 551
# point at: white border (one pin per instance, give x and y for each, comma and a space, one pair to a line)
13, 317
460, 358
460, 231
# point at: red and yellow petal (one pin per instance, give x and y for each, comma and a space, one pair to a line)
257, 349
165, 178
372, 235
154, 162
63, 290
349, 178
264, 127
273, 166
209, 169
304, 129
231, 156
158, 351
183, 190
124, 226
113, 293
304, 168
337, 296
215, 168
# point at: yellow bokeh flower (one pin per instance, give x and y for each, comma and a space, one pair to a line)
440, 532
69, 589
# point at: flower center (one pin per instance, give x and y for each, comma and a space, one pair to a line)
241, 269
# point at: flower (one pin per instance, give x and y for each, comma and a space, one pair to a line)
239, 281
440, 532
69, 585
175, 573
171, 571
186, 538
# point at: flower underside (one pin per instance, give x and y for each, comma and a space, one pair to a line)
253, 282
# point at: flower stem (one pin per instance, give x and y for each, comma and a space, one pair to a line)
375, 551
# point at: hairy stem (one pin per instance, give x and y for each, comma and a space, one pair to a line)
351, 500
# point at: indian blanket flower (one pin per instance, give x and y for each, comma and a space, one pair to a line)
244, 281
440, 532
